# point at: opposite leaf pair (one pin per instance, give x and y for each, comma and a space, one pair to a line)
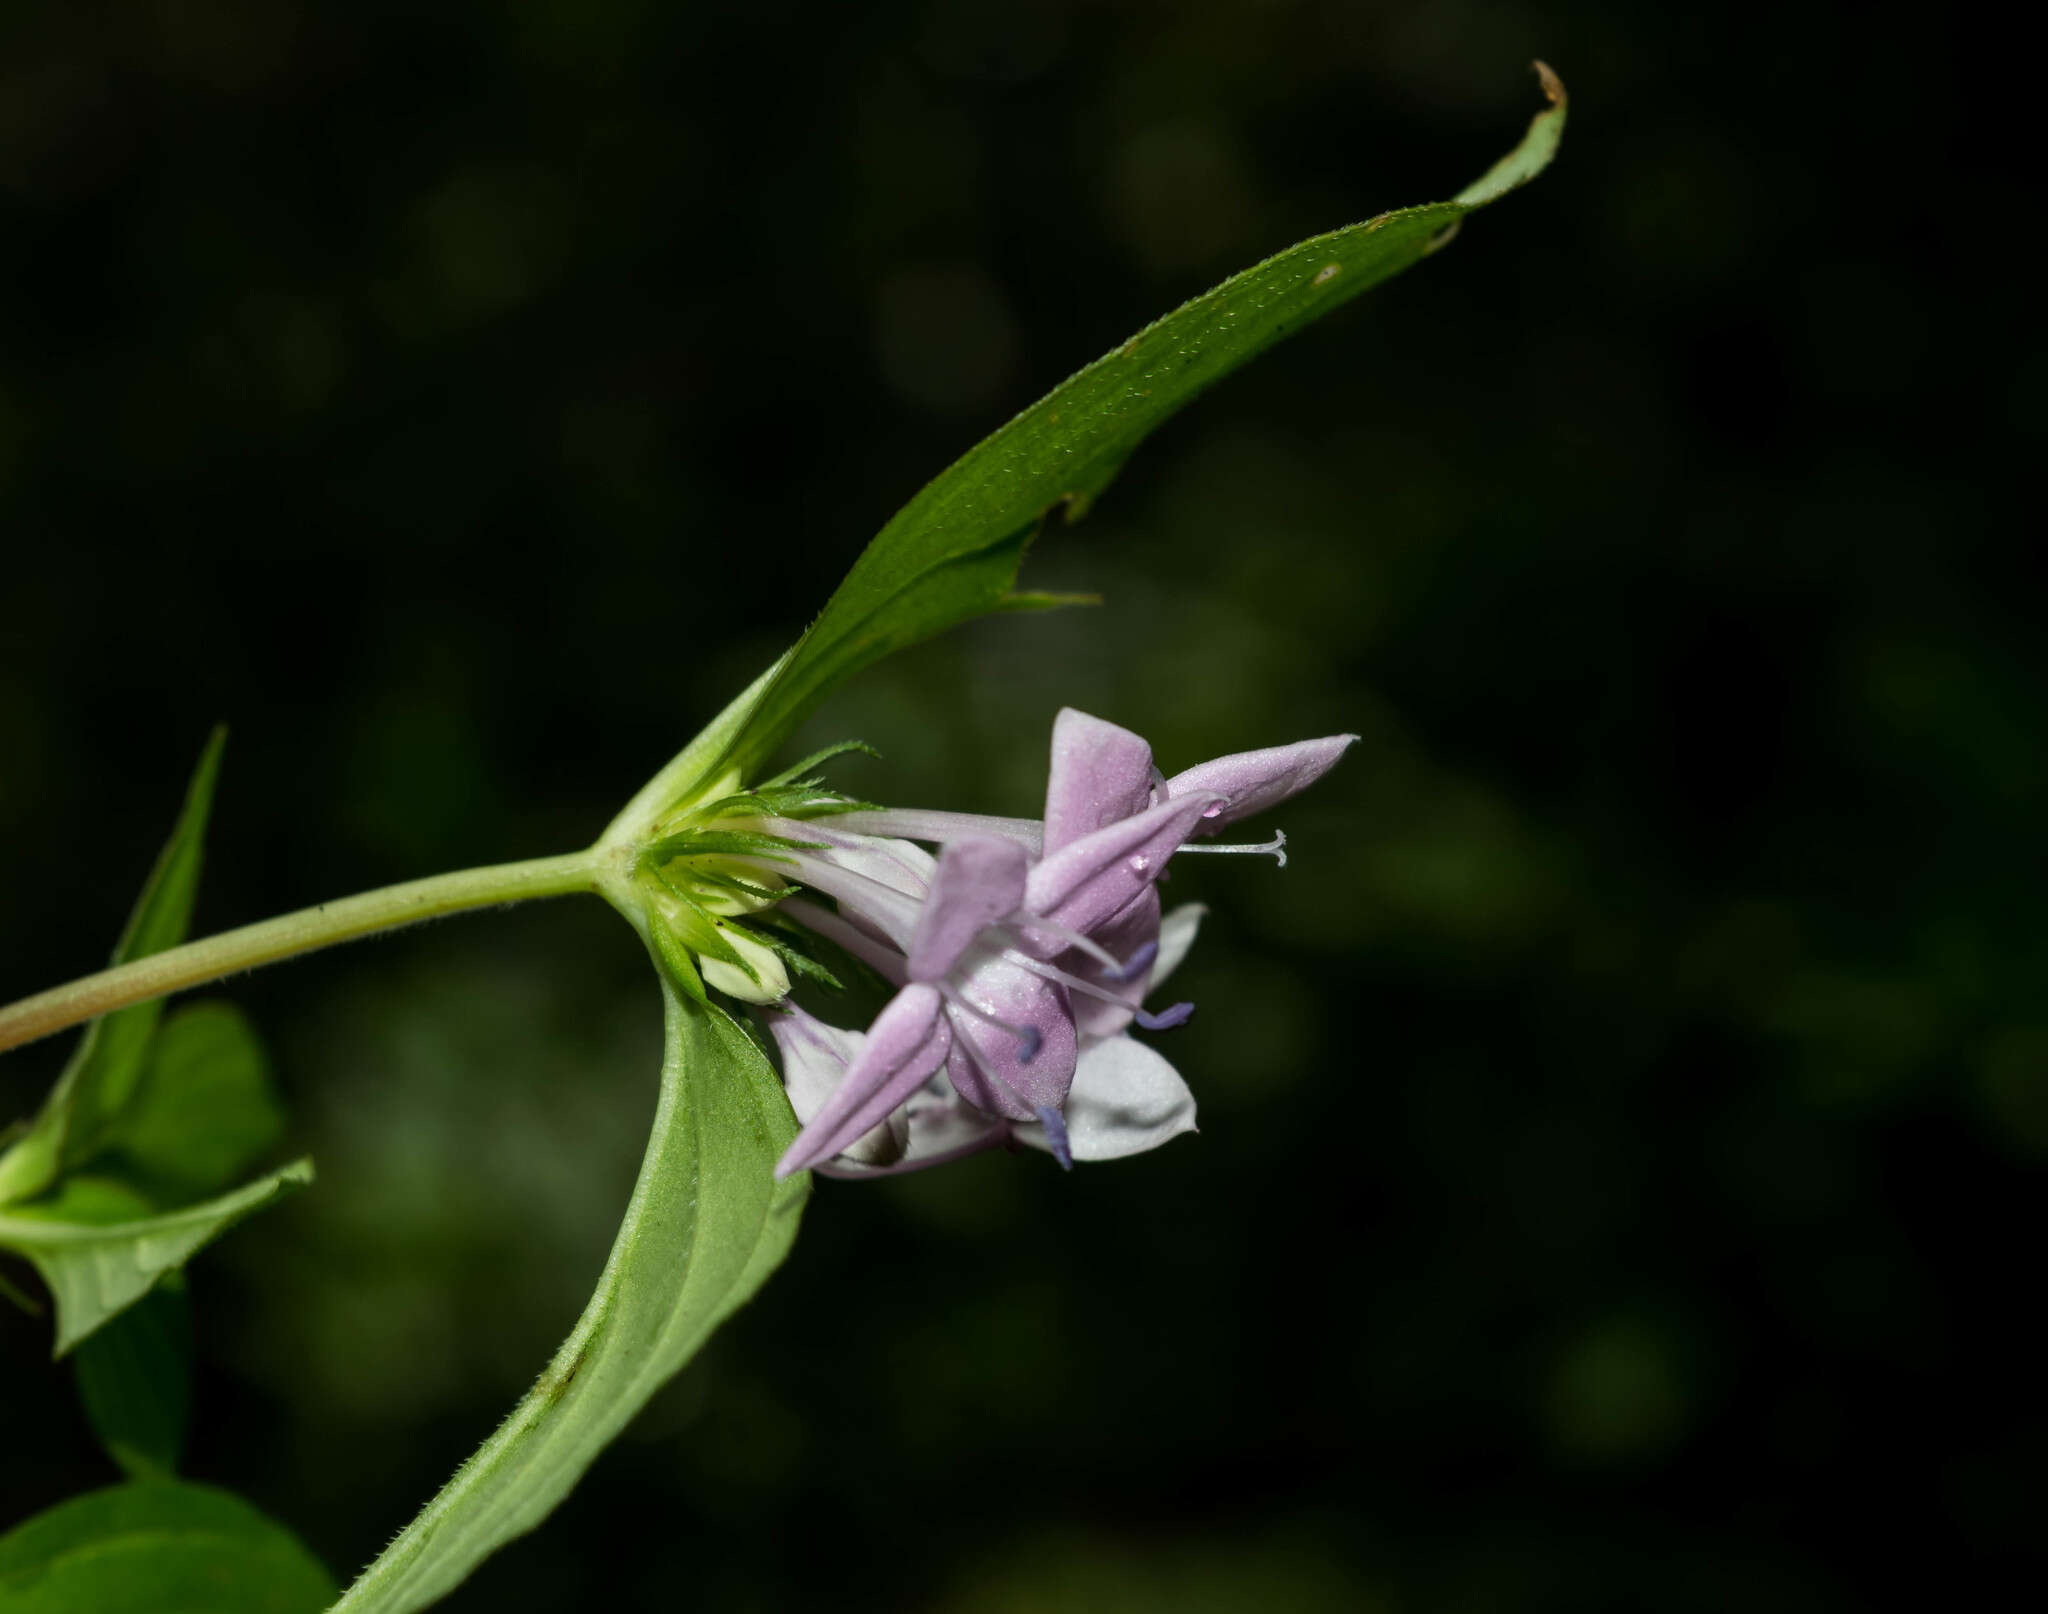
122, 1174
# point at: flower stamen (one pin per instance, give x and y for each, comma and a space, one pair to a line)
1276, 848
1016, 929
1028, 1038
1165, 1020
1134, 966
1055, 1125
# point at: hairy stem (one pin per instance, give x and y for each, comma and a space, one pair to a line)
196, 963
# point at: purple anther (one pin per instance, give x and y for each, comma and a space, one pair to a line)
1028, 1043
1134, 966
1167, 1019
1055, 1125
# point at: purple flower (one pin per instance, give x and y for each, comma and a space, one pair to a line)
1125, 1098
1022, 952
978, 996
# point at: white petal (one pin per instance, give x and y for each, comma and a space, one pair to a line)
1126, 1099
1176, 936
900, 865
947, 1127
814, 1060
937, 1129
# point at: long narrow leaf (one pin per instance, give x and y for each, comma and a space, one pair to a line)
706, 1225
953, 552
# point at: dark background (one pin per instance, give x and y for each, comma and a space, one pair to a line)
1625, 1121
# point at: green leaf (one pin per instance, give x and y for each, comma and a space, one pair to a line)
135, 1378
158, 1548
205, 1111
100, 1078
99, 1253
953, 552
706, 1225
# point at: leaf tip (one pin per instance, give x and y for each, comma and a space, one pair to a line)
1529, 158
207, 771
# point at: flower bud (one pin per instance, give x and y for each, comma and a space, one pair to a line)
759, 977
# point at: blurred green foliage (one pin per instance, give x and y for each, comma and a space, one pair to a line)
1621, 1120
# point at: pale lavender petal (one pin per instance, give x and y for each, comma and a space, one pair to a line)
1100, 773
1090, 881
876, 907
878, 882
978, 882
920, 824
1125, 1099
908, 1041
1252, 781
1176, 935
884, 960
1125, 935
836, 838
815, 1059
988, 1066
901, 865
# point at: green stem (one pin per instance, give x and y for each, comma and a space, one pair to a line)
196, 963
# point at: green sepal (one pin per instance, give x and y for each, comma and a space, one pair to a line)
677, 966
807, 798
828, 956
717, 881
818, 758
792, 954
724, 843
697, 929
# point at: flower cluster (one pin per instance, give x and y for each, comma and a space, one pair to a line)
1022, 952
